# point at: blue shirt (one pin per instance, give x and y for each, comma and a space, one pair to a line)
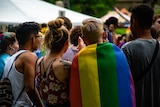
3, 60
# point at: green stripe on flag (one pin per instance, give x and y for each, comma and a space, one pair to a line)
107, 75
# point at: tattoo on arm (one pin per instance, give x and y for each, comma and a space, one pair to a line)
66, 64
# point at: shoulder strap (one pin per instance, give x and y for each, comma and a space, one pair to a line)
19, 95
151, 62
15, 56
49, 65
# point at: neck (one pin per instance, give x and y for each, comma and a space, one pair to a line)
100, 41
57, 54
144, 34
54, 55
26, 48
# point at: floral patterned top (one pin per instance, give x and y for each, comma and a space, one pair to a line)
52, 91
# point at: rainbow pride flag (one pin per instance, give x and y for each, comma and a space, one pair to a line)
100, 77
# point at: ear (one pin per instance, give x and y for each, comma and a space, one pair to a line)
85, 40
10, 46
33, 39
133, 22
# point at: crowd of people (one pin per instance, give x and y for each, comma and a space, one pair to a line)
61, 65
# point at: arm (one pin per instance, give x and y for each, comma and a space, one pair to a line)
29, 75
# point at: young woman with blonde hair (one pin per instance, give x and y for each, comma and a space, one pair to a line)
53, 72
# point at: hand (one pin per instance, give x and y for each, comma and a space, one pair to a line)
81, 44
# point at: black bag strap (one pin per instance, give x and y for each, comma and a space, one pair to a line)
19, 95
151, 62
10, 68
17, 55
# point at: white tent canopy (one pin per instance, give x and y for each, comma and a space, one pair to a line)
18, 11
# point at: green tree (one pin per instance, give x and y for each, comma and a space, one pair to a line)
50, 1
96, 8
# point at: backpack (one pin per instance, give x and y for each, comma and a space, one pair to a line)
6, 96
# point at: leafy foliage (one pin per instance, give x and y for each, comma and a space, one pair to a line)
121, 31
157, 11
50, 1
96, 8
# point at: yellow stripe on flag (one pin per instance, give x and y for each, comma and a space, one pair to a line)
89, 80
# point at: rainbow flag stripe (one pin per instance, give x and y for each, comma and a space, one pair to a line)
100, 77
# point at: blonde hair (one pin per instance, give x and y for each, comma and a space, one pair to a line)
56, 36
92, 30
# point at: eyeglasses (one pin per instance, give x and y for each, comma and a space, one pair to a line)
38, 36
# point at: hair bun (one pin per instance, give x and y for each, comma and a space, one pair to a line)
85, 21
55, 24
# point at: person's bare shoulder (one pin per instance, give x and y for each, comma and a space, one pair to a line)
62, 65
66, 64
61, 69
28, 56
27, 60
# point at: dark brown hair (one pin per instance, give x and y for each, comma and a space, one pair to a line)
6, 39
67, 22
75, 34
